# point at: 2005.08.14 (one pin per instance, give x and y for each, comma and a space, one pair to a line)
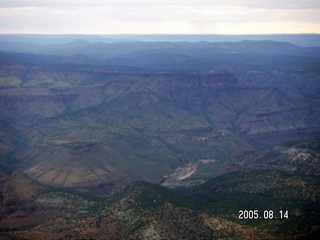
267, 214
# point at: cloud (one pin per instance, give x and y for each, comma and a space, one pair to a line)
276, 4
152, 16
271, 4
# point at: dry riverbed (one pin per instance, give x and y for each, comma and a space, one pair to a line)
180, 176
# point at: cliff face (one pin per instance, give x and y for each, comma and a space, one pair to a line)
263, 115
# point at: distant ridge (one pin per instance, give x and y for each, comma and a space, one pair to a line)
306, 40
131, 50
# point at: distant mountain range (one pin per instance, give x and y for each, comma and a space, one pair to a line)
305, 40
201, 48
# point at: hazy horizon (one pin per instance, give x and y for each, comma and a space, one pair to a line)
304, 40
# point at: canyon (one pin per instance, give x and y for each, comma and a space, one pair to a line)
159, 139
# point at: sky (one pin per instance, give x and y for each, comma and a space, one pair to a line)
159, 16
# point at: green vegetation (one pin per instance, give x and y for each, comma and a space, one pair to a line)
210, 210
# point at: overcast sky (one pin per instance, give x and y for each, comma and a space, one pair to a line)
160, 16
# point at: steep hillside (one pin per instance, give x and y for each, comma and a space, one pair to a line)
299, 157
147, 211
141, 210
268, 192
